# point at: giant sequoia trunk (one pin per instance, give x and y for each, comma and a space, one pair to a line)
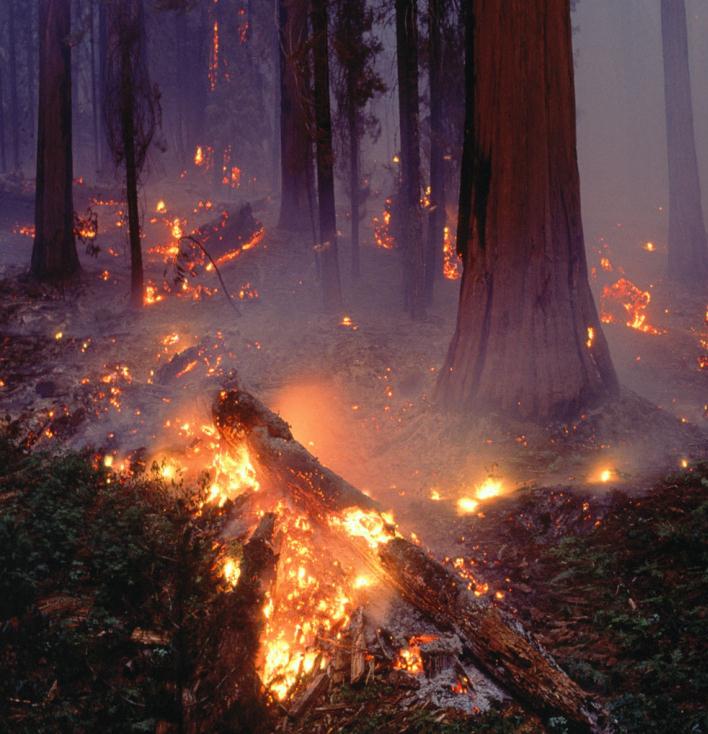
331, 287
528, 339
295, 146
54, 256
688, 252
407, 66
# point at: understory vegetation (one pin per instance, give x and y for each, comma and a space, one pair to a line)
106, 586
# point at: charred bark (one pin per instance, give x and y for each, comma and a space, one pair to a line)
436, 216
295, 144
688, 248
54, 256
528, 339
498, 643
412, 230
227, 680
331, 285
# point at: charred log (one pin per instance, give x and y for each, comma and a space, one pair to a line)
227, 681
498, 642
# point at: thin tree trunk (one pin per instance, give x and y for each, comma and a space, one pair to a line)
331, 286
102, 51
183, 146
295, 145
131, 185
436, 218
528, 340
354, 184
688, 251
407, 64
15, 113
3, 152
94, 94
54, 256
30, 63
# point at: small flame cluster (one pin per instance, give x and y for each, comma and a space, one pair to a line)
624, 294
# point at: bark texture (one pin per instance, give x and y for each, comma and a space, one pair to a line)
54, 256
528, 339
331, 286
295, 144
688, 250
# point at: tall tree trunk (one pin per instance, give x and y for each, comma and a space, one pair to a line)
15, 112
528, 340
407, 64
131, 173
354, 183
436, 218
688, 251
331, 286
102, 51
30, 64
3, 152
54, 256
295, 144
181, 90
96, 105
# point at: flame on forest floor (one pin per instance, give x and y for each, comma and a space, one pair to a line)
383, 237
623, 294
492, 486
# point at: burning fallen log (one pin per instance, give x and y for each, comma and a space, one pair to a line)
497, 642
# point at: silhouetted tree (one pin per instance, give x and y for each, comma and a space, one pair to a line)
14, 103
436, 216
329, 257
688, 251
54, 256
411, 230
356, 83
131, 111
295, 142
528, 340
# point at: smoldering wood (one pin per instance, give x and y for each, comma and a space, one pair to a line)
498, 643
227, 682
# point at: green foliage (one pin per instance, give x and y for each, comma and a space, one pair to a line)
644, 572
86, 559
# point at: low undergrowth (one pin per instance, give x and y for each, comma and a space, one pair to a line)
104, 585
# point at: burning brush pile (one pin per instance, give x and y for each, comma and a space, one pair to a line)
323, 591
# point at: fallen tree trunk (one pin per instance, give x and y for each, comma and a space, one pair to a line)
498, 643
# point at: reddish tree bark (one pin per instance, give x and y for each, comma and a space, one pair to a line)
688, 251
295, 144
54, 256
523, 343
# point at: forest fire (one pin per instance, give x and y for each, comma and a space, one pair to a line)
452, 265
624, 294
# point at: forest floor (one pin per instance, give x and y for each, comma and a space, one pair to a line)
597, 541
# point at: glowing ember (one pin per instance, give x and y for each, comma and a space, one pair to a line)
374, 527
591, 337
410, 660
604, 475
452, 264
176, 229
152, 295
634, 301
382, 226
59, 335
490, 487
198, 156
231, 571
466, 505
435, 495
161, 207
214, 58
649, 247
